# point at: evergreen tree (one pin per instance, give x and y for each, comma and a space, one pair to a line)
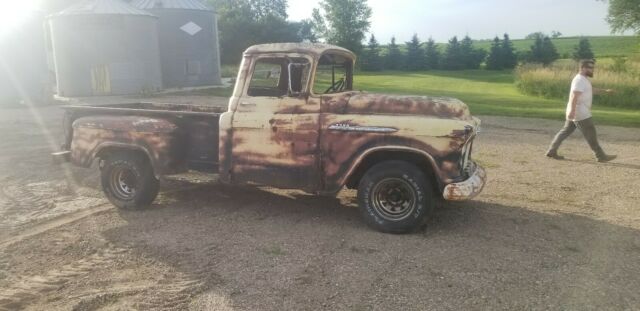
537, 50
372, 60
414, 60
431, 54
471, 57
394, 57
452, 59
466, 51
496, 59
509, 56
583, 50
543, 51
550, 52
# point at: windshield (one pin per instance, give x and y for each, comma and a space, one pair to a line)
333, 75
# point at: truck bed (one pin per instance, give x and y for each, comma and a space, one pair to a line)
197, 133
149, 109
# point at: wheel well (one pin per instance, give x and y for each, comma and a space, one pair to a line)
104, 153
370, 160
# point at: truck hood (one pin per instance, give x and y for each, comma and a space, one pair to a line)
438, 107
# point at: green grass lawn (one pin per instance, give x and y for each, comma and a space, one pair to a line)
486, 93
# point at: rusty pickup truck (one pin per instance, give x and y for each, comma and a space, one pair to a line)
294, 121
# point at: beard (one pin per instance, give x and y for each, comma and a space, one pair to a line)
589, 74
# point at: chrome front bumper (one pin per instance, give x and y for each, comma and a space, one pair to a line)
467, 189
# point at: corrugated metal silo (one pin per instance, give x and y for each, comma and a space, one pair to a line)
105, 47
188, 35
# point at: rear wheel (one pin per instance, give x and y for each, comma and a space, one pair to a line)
395, 197
128, 180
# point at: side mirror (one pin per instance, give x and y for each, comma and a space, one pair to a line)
296, 70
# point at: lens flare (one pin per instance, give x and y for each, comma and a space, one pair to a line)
14, 13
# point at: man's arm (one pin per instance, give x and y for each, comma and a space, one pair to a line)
574, 103
603, 91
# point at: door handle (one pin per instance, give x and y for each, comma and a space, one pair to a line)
247, 104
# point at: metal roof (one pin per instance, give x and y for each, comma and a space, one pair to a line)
171, 4
91, 7
313, 48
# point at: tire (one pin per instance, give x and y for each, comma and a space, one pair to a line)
395, 197
128, 181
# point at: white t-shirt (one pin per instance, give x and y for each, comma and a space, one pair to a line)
583, 108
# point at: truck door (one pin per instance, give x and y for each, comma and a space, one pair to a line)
275, 132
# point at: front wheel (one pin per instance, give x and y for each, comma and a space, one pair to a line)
395, 197
128, 180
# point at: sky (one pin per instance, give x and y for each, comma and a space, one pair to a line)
480, 19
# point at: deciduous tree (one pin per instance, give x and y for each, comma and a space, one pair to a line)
624, 15
242, 23
343, 22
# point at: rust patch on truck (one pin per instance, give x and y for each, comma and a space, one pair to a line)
314, 49
160, 139
467, 189
341, 151
366, 103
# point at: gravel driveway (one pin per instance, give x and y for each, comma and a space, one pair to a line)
544, 234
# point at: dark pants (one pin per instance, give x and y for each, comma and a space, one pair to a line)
588, 130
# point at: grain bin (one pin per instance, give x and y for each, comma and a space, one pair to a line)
105, 47
188, 38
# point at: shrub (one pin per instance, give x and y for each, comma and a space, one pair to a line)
555, 81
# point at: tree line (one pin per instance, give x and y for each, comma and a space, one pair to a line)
243, 23
461, 54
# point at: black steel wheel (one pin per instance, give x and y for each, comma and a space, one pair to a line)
128, 180
395, 197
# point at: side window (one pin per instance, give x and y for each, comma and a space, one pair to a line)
333, 75
268, 78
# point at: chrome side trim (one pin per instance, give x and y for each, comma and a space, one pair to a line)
344, 127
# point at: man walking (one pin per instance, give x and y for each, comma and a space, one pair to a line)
579, 114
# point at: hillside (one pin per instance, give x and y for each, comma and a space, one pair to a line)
606, 46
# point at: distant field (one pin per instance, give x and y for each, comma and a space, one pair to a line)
607, 46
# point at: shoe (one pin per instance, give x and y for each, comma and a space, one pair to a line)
554, 155
606, 158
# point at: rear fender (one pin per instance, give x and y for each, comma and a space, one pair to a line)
159, 139
105, 149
